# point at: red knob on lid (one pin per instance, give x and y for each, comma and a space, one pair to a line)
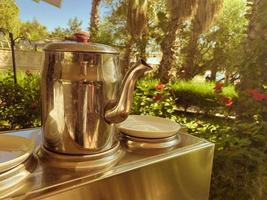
81, 37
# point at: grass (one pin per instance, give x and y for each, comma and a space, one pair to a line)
203, 88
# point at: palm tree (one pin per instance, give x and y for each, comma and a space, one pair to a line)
136, 24
94, 19
206, 14
179, 11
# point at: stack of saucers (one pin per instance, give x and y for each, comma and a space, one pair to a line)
140, 133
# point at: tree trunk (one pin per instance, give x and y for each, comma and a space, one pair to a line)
189, 66
214, 70
127, 56
168, 50
94, 20
227, 78
141, 47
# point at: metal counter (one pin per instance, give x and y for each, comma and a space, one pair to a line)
183, 173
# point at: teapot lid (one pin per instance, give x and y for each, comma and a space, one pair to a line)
80, 44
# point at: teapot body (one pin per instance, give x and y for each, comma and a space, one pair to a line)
77, 87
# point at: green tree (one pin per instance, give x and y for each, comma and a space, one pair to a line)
112, 29
225, 39
179, 11
205, 16
58, 33
74, 26
9, 18
33, 30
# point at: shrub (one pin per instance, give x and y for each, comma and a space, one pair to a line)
239, 167
152, 98
179, 95
20, 103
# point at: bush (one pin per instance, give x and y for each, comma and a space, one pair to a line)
20, 103
150, 99
201, 95
239, 167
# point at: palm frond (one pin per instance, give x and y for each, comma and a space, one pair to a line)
206, 14
182, 9
137, 17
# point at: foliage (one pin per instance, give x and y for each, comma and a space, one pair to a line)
20, 103
33, 30
113, 29
254, 69
74, 26
224, 43
241, 146
239, 167
180, 95
179, 12
9, 18
239, 170
152, 98
206, 14
58, 33
115, 25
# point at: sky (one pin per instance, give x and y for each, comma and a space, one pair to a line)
52, 17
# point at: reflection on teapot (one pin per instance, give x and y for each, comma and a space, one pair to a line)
83, 95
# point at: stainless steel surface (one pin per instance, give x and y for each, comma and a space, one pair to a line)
81, 97
100, 161
13, 179
149, 145
71, 46
182, 173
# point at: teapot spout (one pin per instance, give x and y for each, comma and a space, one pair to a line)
122, 108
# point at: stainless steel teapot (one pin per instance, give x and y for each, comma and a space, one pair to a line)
83, 95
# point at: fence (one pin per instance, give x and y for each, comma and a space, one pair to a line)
25, 60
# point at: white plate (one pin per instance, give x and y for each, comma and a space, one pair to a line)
148, 127
14, 150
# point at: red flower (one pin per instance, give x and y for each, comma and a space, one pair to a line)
226, 101
258, 96
160, 86
218, 87
157, 97
229, 103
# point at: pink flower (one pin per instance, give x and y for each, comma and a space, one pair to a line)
160, 86
229, 103
226, 101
